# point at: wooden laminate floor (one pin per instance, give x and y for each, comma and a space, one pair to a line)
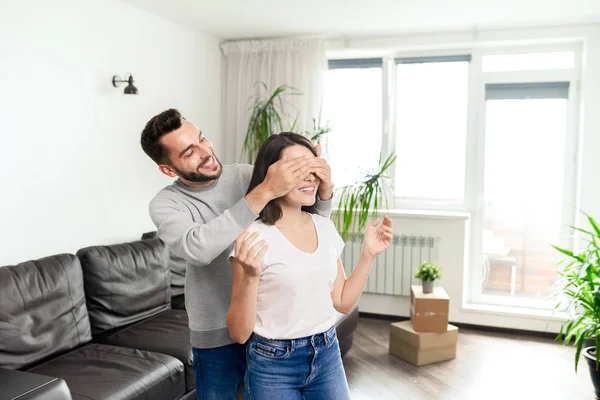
489, 365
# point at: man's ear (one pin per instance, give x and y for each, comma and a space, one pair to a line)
318, 148
165, 169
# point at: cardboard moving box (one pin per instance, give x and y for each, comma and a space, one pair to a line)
429, 311
421, 348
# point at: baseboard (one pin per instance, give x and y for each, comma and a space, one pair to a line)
484, 328
384, 317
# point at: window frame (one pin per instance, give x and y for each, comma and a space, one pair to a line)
463, 54
475, 293
365, 63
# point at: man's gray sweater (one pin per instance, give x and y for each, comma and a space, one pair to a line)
201, 225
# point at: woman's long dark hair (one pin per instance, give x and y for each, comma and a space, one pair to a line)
270, 153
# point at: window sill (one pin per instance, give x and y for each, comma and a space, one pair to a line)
546, 315
430, 214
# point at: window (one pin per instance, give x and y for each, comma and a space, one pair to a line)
525, 131
431, 128
353, 108
527, 138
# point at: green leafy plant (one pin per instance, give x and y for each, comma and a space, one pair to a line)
362, 198
579, 293
428, 271
267, 117
318, 131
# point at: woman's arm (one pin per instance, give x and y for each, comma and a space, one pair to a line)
347, 291
246, 270
242, 310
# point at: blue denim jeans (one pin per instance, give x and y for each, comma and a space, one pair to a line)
308, 368
219, 371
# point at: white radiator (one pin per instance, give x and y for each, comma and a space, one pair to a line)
394, 270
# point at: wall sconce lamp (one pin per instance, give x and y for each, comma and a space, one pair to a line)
130, 89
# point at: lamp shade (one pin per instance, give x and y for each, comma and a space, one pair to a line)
130, 89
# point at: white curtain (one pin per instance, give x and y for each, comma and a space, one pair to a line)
299, 63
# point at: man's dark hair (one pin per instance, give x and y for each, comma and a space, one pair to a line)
161, 124
270, 153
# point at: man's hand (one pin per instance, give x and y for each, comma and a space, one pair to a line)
282, 176
286, 174
323, 172
249, 253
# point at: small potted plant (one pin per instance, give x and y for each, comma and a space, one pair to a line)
579, 296
428, 272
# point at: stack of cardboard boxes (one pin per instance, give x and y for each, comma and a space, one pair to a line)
427, 337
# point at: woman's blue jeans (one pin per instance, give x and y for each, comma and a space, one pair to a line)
308, 368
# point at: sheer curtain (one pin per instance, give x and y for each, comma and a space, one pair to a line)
299, 63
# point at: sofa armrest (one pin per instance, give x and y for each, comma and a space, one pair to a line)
345, 326
21, 385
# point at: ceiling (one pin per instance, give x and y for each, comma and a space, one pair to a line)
237, 19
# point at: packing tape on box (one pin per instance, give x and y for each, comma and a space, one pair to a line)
429, 314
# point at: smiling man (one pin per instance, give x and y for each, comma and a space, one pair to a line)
199, 217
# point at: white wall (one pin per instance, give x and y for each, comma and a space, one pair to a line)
73, 170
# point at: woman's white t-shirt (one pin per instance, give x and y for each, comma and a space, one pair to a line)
294, 293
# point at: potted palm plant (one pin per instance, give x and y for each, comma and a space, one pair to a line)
267, 117
362, 198
428, 272
579, 296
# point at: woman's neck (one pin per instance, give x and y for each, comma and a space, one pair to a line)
290, 216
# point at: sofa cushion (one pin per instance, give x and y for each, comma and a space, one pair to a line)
166, 333
124, 283
176, 264
42, 310
24, 385
178, 302
345, 326
98, 372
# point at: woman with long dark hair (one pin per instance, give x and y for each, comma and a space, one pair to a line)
288, 282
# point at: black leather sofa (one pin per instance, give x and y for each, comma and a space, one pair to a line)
100, 325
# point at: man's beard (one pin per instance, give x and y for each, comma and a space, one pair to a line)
199, 177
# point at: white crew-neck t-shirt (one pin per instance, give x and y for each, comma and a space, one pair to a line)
294, 293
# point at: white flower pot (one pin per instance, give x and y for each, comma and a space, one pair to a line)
428, 286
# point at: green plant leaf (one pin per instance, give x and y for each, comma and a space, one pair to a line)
578, 354
580, 230
597, 347
567, 252
593, 223
265, 118
363, 198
